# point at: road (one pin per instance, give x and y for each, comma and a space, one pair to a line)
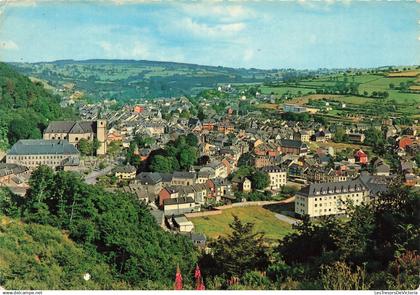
287, 219
92, 177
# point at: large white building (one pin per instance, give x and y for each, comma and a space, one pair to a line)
330, 198
35, 152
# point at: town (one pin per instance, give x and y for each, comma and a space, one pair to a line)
189, 158
209, 145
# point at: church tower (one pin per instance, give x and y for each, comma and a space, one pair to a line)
101, 134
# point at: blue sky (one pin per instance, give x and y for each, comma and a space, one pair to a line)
263, 34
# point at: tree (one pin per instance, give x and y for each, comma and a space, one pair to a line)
115, 227
187, 157
95, 145
85, 147
201, 116
22, 129
4, 140
10, 204
241, 251
192, 140
339, 276
160, 163
340, 135
260, 180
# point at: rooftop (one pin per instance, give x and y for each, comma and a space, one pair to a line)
333, 188
42, 147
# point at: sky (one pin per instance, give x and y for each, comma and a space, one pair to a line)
299, 34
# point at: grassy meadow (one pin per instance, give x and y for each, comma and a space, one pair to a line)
264, 220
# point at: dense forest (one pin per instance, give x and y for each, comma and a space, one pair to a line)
25, 107
117, 241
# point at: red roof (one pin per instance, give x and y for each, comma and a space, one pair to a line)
360, 153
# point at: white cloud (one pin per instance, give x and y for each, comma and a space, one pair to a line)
18, 2
137, 49
8, 45
206, 30
224, 13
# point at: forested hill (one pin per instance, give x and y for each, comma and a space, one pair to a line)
127, 79
25, 107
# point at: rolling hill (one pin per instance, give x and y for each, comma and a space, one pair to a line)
128, 79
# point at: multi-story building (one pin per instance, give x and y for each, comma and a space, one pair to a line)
302, 135
183, 178
125, 172
294, 147
35, 152
278, 177
331, 198
74, 131
179, 206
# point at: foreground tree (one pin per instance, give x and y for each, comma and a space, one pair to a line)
240, 252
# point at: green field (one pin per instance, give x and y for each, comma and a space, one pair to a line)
396, 104
265, 221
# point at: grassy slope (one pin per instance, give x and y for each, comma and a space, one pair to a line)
36, 256
265, 221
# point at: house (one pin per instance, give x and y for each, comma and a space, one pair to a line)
154, 128
219, 188
202, 176
246, 185
381, 168
10, 173
293, 108
262, 161
140, 191
216, 169
322, 199
404, 141
183, 224
195, 124
199, 240
301, 135
138, 109
225, 127
361, 157
183, 178
167, 193
208, 124
294, 147
74, 131
201, 193
178, 206
410, 179
278, 177
322, 136
125, 172
35, 152
356, 137
151, 181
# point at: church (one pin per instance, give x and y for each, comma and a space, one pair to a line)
74, 131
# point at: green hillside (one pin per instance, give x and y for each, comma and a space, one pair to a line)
25, 107
128, 79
